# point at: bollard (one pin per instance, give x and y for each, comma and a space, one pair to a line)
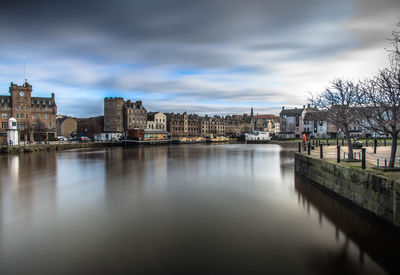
375, 145
377, 162
385, 162
342, 141
363, 158
321, 152
308, 148
327, 141
338, 154
299, 147
366, 143
384, 142
337, 142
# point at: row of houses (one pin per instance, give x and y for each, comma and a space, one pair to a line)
315, 123
123, 116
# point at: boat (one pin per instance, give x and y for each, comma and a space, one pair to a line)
257, 136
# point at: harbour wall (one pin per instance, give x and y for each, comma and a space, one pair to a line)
56, 147
374, 193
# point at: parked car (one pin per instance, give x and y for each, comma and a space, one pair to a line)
85, 139
61, 138
357, 144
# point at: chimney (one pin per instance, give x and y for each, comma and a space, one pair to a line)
304, 106
283, 107
52, 95
308, 105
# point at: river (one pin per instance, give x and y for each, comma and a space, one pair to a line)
180, 209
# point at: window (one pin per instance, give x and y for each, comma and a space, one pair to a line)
46, 117
5, 107
16, 108
21, 115
49, 125
33, 116
16, 116
34, 108
22, 108
26, 108
40, 108
26, 116
47, 109
40, 116
4, 125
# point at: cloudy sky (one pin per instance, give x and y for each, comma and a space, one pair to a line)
215, 57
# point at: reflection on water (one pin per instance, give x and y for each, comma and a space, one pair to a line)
198, 209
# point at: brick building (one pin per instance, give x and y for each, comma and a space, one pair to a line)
36, 116
88, 127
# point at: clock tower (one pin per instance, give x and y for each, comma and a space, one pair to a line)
20, 98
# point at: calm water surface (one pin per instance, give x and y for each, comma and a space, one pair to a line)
198, 209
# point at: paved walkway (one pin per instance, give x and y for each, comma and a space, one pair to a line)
382, 153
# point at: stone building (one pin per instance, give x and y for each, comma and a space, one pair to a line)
183, 125
120, 115
156, 120
66, 125
135, 115
217, 126
35, 116
114, 115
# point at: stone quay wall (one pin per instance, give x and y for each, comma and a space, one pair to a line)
57, 147
376, 194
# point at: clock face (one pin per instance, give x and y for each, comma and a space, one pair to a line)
21, 94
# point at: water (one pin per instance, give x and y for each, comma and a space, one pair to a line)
196, 209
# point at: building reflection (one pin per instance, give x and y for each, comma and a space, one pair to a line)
373, 237
28, 191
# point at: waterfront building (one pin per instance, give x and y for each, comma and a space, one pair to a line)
217, 126
156, 120
267, 123
183, 125
147, 134
316, 124
35, 116
120, 115
113, 114
66, 125
135, 115
292, 121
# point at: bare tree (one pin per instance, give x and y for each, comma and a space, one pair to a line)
380, 98
339, 100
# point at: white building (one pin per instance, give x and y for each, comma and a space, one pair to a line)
156, 121
316, 124
12, 132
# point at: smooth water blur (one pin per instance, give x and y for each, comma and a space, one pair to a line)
184, 209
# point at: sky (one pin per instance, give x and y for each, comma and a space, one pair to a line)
206, 57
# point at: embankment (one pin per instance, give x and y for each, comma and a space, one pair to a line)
374, 193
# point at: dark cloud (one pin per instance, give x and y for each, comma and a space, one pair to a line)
240, 51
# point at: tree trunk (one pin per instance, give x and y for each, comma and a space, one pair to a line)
393, 151
349, 145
